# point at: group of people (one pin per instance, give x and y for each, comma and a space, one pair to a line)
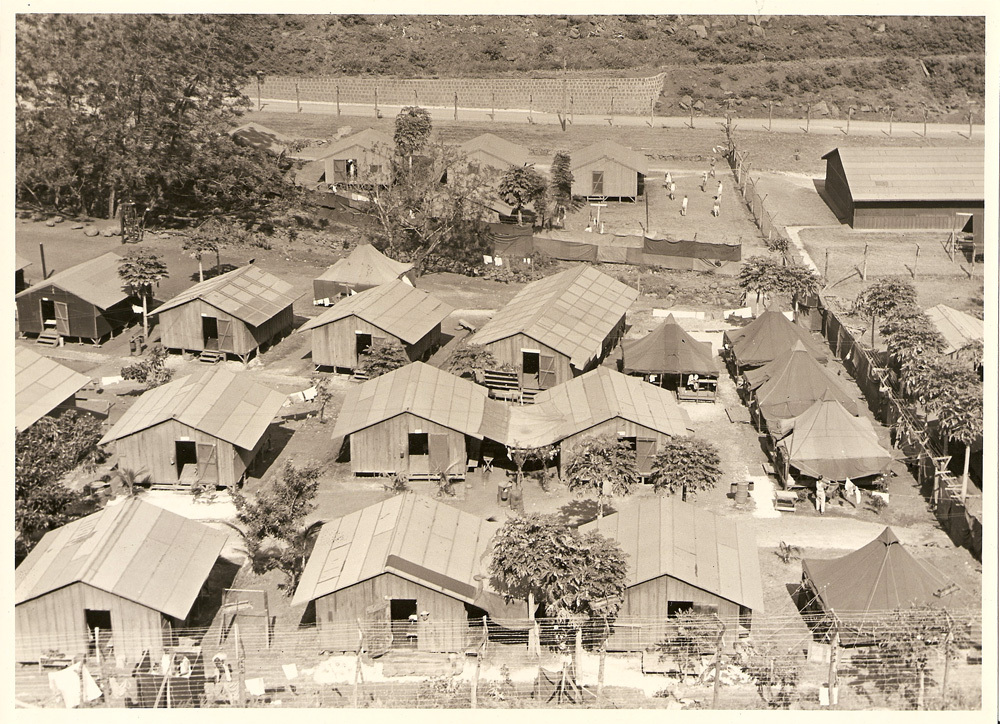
671, 188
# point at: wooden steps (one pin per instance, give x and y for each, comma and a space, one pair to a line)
528, 396
210, 356
49, 338
360, 376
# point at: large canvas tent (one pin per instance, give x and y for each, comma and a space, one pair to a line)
409, 570
879, 577
789, 384
768, 336
42, 386
827, 440
133, 570
671, 356
365, 267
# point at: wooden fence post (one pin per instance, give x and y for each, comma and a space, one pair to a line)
338, 100
356, 696
474, 695
864, 265
298, 105
831, 680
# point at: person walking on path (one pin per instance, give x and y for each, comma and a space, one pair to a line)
673, 188
718, 193
715, 207
711, 171
704, 180
667, 180
684, 206
821, 495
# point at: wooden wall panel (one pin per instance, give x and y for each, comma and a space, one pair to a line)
509, 350
335, 344
382, 448
619, 180
82, 315
152, 451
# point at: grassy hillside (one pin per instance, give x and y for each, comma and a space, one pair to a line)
870, 63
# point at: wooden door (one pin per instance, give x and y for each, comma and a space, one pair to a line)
208, 466
546, 371
62, 317
225, 335
418, 453
645, 451
597, 183
440, 456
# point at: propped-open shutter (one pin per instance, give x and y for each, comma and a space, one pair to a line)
379, 340
440, 459
339, 171
225, 327
546, 371
62, 317
645, 451
208, 468
376, 629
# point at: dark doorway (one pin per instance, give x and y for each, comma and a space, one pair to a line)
418, 443
48, 311
187, 453
210, 332
530, 364
98, 629
403, 620
675, 608
362, 342
640, 184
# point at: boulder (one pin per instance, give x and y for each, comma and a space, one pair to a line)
757, 31
685, 102
50, 222
76, 227
834, 110
110, 231
91, 230
574, 32
58, 219
880, 28
699, 105
819, 109
699, 30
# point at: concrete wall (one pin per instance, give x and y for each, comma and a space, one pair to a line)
627, 96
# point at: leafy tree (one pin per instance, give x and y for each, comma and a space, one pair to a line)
561, 186
469, 359
150, 370
880, 299
413, 131
960, 418
686, 465
775, 675
937, 375
382, 357
323, 394
137, 107
910, 338
798, 280
130, 479
197, 246
688, 637
520, 186
759, 275
42, 455
139, 271
604, 466
277, 514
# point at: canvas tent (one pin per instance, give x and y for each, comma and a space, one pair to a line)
768, 336
671, 356
789, 384
879, 577
365, 267
254, 135
42, 386
828, 440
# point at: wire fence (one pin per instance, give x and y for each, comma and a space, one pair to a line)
780, 661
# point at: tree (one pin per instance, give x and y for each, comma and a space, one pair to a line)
689, 636
130, 479
413, 131
139, 271
798, 280
196, 246
883, 297
382, 357
910, 338
137, 108
760, 275
686, 465
323, 394
604, 466
467, 360
42, 455
960, 418
150, 370
935, 376
520, 186
561, 186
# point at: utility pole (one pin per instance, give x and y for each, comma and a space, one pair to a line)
826, 267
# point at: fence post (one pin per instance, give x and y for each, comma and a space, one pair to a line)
826, 266
831, 680
298, 105
600, 664
338, 100
947, 660
355, 697
241, 667
474, 701
916, 258
864, 265
718, 664
456, 106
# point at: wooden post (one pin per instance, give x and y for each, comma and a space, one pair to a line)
692, 116
916, 258
947, 660
259, 105
600, 664
850, 112
355, 697
925, 123
718, 664
493, 107
970, 125
416, 101
965, 471
241, 667
456, 106
891, 111
864, 265
770, 114
45, 275
298, 105
808, 117
531, 102
831, 680
474, 696
376, 101
338, 100
826, 267
651, 101
571, 109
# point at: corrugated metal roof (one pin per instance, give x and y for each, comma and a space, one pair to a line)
95, 281
40, 385
595, 397
368, 139
572, 312
20, 262
509, 153
958, 328
396, 307
665, 536
218, 402
134, 549
614, 151
248, 293
367, 266
421, 390
415, 537
914, 174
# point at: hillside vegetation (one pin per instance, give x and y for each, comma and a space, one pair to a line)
741, 62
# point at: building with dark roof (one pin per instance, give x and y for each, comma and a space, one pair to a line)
42, 387
86, 301
132, 570
207, 428
908, 188
234, 313
391, 312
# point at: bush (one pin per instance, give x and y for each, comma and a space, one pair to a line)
382, 357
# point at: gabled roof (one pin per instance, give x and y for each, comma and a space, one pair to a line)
132, 549
368, 139
827, 440
503, 150
881, 576
590, 399
40, 385
220, 403
789, 384
663, 536
249, 293
412, 536
20, 262
572, 312
958, 328
913, 174
365, 266
769, 336
261, 137
95, 281
398, 308
668, 349
611, 150
421, 390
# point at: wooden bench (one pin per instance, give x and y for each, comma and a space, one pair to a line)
785, 500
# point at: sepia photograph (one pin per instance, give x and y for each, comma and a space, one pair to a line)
503, 361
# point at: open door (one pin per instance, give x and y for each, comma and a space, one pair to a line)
62, 318
645, 451
362, 341
186, 453
439, 455
98, 630
208, 467
530, 366
546, 371
418, 453
210, 333
226, 335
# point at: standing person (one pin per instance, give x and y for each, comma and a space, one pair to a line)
704, 180
712, 170
715, 207
821, 495
673, 187
667, 179
684, 206
719, 190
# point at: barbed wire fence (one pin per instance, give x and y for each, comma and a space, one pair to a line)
783, 661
